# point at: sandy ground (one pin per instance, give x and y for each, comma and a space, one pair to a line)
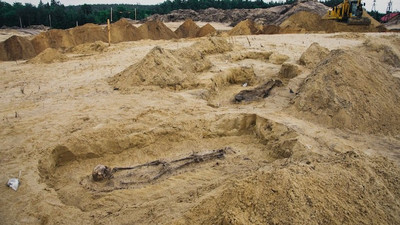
59, 120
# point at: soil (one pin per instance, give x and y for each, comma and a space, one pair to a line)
156, 30
15, 48
50, 55
206, 30
246, 27
188, 29
313, 55
327, 152
349, 90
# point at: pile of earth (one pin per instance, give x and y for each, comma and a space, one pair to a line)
49, 55
175, 69
350, 90
189, 29
303, 21
15, 48
156, 30
270, 16
330, 189
89, 48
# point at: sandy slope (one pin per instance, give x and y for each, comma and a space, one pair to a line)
59, 120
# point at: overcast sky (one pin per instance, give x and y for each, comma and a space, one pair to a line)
380, 4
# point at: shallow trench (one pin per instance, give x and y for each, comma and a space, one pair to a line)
252, 142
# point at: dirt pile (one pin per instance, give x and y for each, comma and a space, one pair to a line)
188, 29
288, 71
304, 21
277, 58
53, 39
171, 68
351, 91
205, 30
89, 48
212, 45
386, 51
15, 48
246, 27
313, 55
49, 55
349, 186
88, 33
270, 16
156, 30
122, 30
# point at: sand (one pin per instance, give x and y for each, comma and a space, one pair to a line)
303, 157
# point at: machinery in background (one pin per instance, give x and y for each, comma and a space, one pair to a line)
350, 12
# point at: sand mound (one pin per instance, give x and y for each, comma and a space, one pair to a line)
205, 30
164, 68
89, 33
122, 30
309, 22
246, 27
88, 48
212, 45
53, 39
388, 53
271, 29
277, 58
15, 48
352, 91
188, 29
49, 55
313, 55
156, 30
339, 189
288, 71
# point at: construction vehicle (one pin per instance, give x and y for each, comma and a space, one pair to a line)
350, 12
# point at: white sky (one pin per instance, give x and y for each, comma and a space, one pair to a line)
380, 4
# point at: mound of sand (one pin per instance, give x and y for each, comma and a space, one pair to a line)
15, 48
352, 91
277, 58
246, 27
288, 71
310, 22
188, 29
388, 53
271, 29
171, 68
313, 55
88, 48
49, 55
340, 189
53, 39
205, 30
122, 30
89, 33
164, 68
156, 30
212, 45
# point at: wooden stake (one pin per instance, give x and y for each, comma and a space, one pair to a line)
109, 32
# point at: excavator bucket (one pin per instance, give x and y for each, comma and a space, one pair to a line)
358, 21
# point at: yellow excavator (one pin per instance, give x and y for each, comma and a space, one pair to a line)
350, 12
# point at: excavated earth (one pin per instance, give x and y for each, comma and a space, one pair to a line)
315, 142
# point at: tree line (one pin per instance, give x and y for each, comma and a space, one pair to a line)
56, 15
